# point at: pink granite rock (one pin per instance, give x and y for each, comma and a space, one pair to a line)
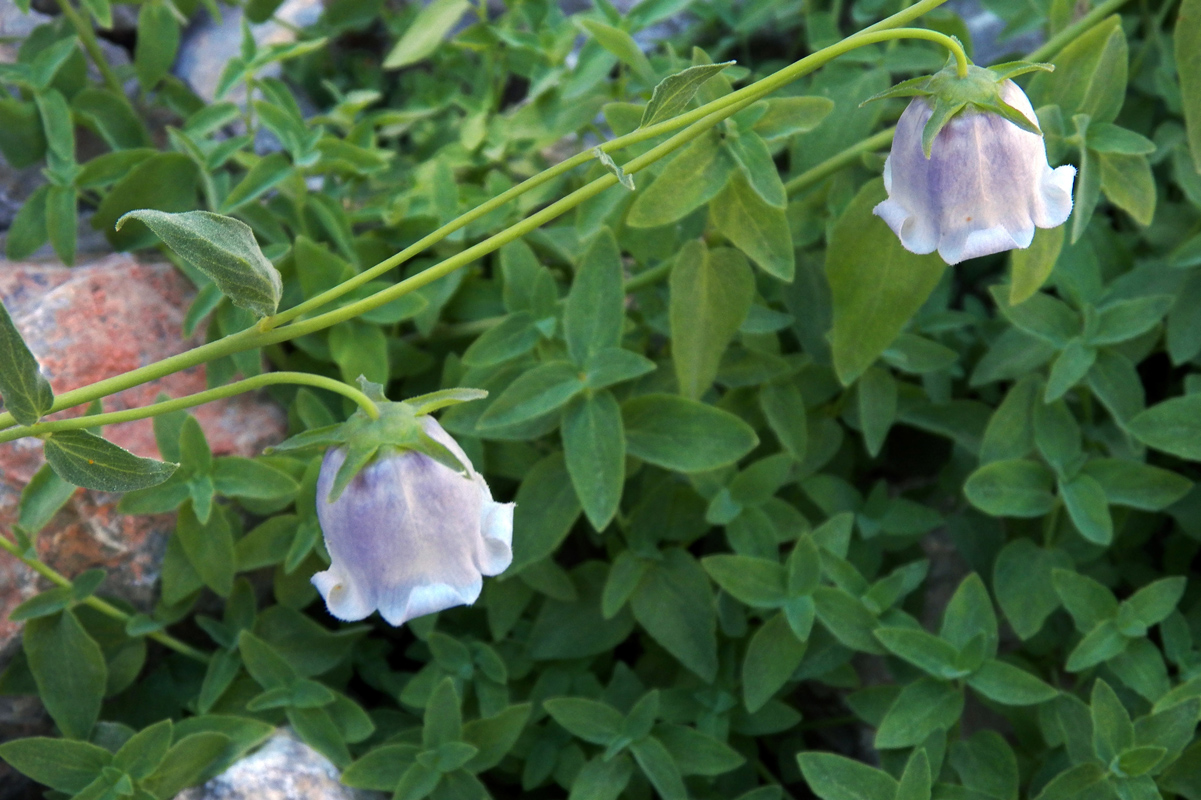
85, 324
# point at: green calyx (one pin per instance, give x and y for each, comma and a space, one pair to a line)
398, 429
950, 93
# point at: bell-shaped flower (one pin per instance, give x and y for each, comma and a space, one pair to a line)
968, 173
409, 536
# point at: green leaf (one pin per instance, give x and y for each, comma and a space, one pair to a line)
443, 720
1074, 782
145, 750
157, 43
1016, 488
42, 498
772, 656
1087, 506
266, 173
1070, 367
711, 292
547, 508
1141, 486
877, 394
1128, 183
594, 447
622, 45
426, 32
659, 768
986, 764
759, 168
1009, 685
846, 617
755, 227
222, 248
696, 753
784, 407
921, 708
86, 460
691, 179
916, 782
589, 720
541, 390
1030, 268
1188, 70
234, 476
787, 116
673, 93
755, 581
876, 285
602, 780
62, 764
834, 777
26, 393
514, 336
188, 759
209, 547
595, 312
1087, 601
1113, 732
923, 650
1090, 74
1023, 585
675, 605
1010, 431
494, 736
69, 669
614, 365
1041, 315
382, 768
1155, 601
684, 435
1099, 645
1173, 426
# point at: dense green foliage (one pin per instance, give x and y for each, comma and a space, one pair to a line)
790, 499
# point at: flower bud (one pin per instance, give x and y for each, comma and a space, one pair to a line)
983, 189
409, 536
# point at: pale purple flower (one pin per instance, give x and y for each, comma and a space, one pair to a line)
409, 536
984, 189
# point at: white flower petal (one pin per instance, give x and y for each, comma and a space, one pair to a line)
984, 188
409, 536
409, 602
342, 597
973, 244
496, 524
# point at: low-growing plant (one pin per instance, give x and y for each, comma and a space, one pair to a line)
796, 507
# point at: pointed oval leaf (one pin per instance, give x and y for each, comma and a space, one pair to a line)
224, 249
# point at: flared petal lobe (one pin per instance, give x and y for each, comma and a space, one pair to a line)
409, 536
985, 188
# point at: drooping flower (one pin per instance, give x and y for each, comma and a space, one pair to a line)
411, 528
409, 536
968, 173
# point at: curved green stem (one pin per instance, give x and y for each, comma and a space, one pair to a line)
774, 81
883, 138
87, 37
701, 118
167, 406
108, 609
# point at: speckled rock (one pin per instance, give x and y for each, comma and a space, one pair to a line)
85, 324
284, 768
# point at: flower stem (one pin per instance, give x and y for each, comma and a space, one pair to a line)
700, 119
108, 609
87, 37
779, 78
167, 406
882, 139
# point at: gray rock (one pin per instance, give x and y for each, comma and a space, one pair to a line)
208, 45
989, 45
284, 768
